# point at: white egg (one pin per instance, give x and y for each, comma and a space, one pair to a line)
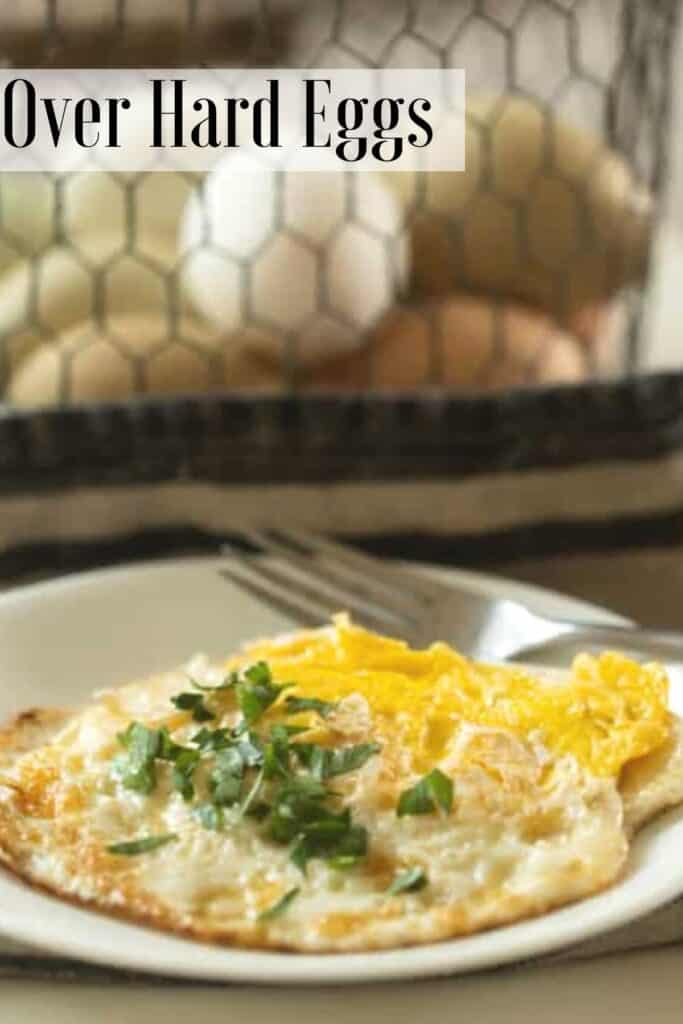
38, 209
586, 219
65, 285
126, 205
27, 215
311, 260
133, 354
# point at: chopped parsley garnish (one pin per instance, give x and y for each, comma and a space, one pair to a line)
276, 754
279, 908
345, 861
299, 814
193, 702
136, 768
185, 762
259, 674
432, 791
225, 782
325, 763
296, 802
294, 730
212, 739
330, 841
266, 776
168, 748
256, 692
248, 804
411, 880
133, 847
256, 809
295, 705
230, 762
348, 759
251, 750
225, 789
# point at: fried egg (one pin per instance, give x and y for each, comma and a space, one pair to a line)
334, 790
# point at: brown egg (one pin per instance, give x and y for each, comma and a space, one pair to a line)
134, 356
543, 212
602, 329
461, 344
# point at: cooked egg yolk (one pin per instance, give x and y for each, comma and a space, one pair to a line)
611, 711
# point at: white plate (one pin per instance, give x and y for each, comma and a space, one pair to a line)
61, 640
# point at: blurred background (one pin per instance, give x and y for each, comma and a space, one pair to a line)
457, 368
555, 258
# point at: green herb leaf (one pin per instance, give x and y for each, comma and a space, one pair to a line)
225, 781
304, 753
193, 702
411, 880
257, 692
133, 847
276, 753
259, 673
345, 862
279, 908
139, 740
168, 748
212, 739
186, 760
248, 804
256, 809
297, 704
441, 788
349, 759
226, 790
330, 842
325, 763
432, 791
251, 750
210, 816
230, 761
318, 831
137, 770
297, 802
328, 826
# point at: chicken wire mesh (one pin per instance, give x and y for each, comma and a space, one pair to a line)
528, 268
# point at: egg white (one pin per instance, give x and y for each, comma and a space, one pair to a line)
528, 831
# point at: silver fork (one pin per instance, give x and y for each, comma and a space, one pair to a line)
309, 578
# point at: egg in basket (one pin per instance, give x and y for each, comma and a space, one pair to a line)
508, 274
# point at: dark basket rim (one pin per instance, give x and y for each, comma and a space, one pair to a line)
320, 439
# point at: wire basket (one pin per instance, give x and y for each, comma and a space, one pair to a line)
529, 268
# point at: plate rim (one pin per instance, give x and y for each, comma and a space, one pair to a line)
190, 959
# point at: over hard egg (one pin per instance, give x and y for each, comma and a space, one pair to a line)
335, 790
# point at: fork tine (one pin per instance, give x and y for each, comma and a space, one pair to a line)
346, 585
422, 588
281, 589
286, 603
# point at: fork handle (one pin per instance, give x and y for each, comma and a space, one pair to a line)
657, 643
